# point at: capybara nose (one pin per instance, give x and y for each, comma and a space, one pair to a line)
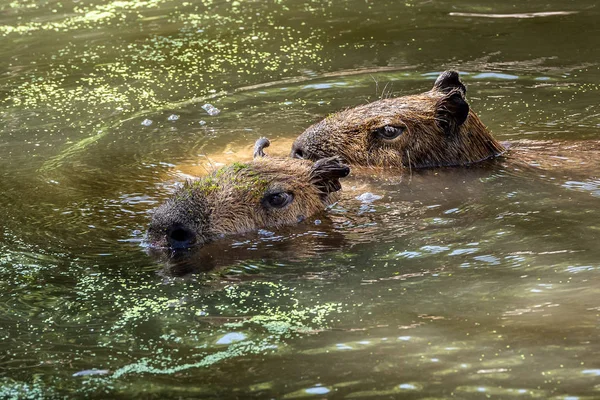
297, 152
180, 237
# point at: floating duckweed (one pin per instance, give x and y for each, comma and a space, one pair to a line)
11, 389
83, 84
84, 16
144, 309
146, 365
157, 322
276, 315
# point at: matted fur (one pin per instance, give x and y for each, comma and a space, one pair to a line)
433, 136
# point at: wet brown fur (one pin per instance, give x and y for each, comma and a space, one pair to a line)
232, 199
433, 136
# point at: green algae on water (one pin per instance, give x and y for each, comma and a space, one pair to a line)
93, 88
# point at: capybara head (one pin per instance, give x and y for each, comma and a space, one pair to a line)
433, 129
243, 197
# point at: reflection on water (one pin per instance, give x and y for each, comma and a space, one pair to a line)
461, 283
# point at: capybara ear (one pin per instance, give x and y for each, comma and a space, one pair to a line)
326, 172
449, 81
451, 111
260, 146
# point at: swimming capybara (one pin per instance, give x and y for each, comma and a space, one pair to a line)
242, 197
432, 129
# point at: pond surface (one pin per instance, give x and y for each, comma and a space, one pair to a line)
473, 283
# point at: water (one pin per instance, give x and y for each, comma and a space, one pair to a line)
455, 283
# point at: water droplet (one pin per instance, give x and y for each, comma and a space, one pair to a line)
202, 122
147, 122
210, 109
173, 117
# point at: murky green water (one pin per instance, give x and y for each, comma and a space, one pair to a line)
474, 283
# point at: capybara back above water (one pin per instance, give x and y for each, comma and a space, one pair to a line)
242, 197
432, 129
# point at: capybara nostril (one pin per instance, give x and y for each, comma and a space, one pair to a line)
297, 152
180, 237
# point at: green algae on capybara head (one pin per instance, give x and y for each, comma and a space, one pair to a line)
243, 197
432, 129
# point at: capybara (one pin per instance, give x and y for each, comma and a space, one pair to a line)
242, 197
432, 129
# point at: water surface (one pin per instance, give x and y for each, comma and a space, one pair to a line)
455, 284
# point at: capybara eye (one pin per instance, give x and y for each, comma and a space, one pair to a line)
278, 200
389, 132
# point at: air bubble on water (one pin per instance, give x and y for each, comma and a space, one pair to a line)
173, 117
593, 372
368, 197
231, 338
202, 122
210, 109
317, 222
317, 389
147, 122
89, 372
407, 386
